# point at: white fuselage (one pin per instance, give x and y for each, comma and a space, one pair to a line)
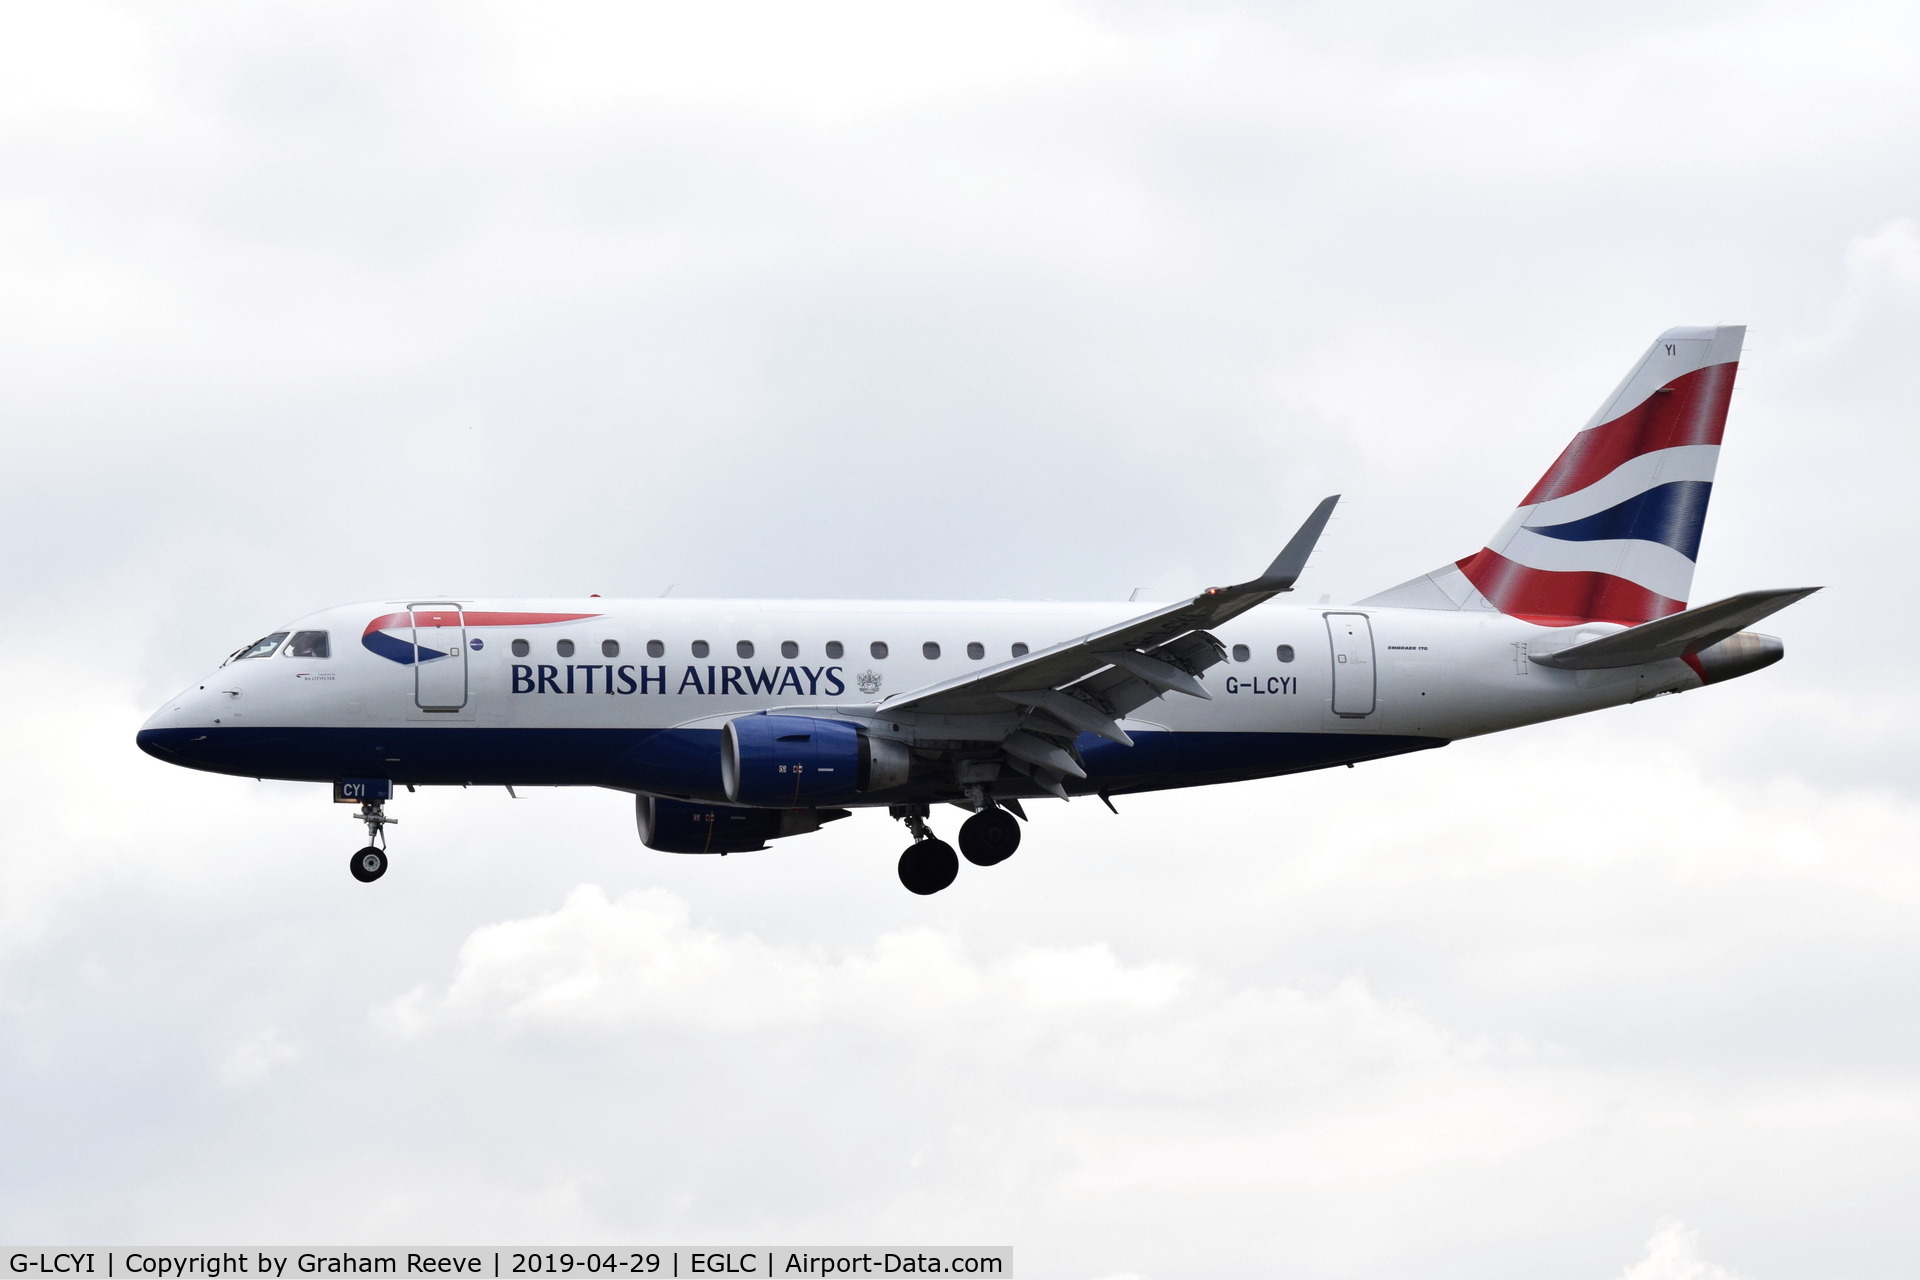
633, 694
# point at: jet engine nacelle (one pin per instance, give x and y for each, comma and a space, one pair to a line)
791, 761
680, 826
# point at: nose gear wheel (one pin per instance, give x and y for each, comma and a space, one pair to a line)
370, 863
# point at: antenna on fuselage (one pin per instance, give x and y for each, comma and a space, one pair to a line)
669, 590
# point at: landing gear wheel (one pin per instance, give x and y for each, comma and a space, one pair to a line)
989, 836
369, 864
928, 866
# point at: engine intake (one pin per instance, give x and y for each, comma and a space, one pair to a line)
791, 761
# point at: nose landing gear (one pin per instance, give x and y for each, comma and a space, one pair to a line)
370, 863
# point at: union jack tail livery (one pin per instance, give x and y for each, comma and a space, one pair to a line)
1611, 531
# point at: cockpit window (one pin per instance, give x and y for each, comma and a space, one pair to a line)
308, 644
262, 647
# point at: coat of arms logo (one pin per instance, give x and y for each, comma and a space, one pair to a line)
869, 681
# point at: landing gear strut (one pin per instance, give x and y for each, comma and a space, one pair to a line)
929, 864
370, 863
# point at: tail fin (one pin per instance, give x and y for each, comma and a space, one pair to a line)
1612, 531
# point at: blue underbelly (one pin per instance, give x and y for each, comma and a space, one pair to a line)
687, 761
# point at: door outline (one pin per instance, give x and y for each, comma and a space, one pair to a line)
1356, 681
440, 681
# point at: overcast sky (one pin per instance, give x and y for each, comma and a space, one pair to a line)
309, 303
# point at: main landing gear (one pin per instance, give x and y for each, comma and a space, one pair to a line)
929, 864
989, 836
370, 863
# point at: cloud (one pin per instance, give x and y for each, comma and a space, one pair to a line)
1041, 1018
841, 59
254, 1056
639, 960
1674, 1254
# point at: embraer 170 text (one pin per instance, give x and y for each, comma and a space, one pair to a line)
736, 722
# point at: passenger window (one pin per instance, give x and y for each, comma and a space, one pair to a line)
609, 648
1241, 653
700, 648
1284, 653
655, 649
835, 649
744, 648
788, 649
309, 644
929, 650
564, 648
262, 647
878, 648
521, 648
976, 650
1019, 650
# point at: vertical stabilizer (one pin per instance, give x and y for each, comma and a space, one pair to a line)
1612, 530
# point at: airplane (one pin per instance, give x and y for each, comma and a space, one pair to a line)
734, 723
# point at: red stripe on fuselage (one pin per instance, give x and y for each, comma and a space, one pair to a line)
1553, 598
437, 618
523, 619
1692, 409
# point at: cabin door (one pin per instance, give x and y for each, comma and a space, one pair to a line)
1353, 689
439, 657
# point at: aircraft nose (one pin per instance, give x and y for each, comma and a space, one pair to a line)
153, 742
168, 731
161, 731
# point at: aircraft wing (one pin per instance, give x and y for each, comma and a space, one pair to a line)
1089, 684
1676, 635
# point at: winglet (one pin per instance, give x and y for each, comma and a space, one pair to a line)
1292, 560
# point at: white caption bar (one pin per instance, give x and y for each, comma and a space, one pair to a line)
511, 1263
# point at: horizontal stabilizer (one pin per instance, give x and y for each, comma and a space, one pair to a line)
1675, 636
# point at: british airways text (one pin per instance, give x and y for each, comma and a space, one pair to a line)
811, 682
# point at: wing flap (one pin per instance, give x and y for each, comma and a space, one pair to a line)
1076, 713
1121, 688
1156, 673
